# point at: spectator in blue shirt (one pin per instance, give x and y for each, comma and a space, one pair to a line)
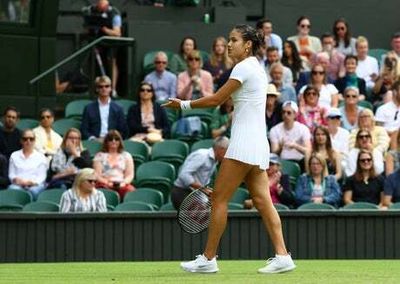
271, 39
392, 188
163, 81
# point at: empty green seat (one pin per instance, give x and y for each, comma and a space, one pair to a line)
14, 200
51, 195
167, 207
27, 123
240, 195
112, 198
235, 206
74, 109
62, 125
292, 169
41, 206
147, 195
93, 146
316, 206
281, 207
360, 206
377, 53
395, 206
202, 144
134, 206
125, 104
170, 151
138, 150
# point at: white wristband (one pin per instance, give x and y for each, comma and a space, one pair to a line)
185, 105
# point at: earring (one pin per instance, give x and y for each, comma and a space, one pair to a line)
247, 50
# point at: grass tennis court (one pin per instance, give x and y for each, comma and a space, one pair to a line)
308, 271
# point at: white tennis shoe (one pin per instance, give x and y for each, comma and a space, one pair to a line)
278, 264
200, 265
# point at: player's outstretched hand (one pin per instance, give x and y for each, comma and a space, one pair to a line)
173, 103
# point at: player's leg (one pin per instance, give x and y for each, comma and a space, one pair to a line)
230, 175
257, 183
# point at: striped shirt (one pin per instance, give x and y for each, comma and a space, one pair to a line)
71, 202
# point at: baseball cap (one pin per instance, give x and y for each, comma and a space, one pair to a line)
274, 159
271, 90
292, 104
334, 112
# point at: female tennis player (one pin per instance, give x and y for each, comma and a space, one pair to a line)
247, 156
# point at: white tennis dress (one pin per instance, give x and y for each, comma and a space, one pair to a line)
248, 141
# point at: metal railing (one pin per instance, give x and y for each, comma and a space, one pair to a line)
113, 41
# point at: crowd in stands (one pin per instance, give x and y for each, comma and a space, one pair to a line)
331, 109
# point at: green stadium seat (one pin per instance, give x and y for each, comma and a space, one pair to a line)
395, 206
167, 207
125, 104
202, 144
27, 123
172, 114
281, 207
138, 150
51, 195
205, 114
146, 195
204, 55
240, 195
204, 133
14, 200
112, 198
156, 174
235, 206
41, 206
62, 125
292, 169
74, 109
378, 53
316, 206
360, 206
134, 206
366, 104
93, 146
170, 151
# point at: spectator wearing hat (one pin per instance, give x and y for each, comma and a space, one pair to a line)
287, 92
273, 110
290, 139
339, 135
279, 186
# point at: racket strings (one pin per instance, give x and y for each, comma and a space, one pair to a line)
194, 213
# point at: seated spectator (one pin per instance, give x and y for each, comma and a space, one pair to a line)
317, 186
10, 135
290, 139
311, 114
350, 79
345, 44
365, 185
83, 196
271, 39
335, 59
103, 114
306, 45
328, 94
164, 82
47, 140
197, 170
273, 57
195, 82
222, 119
323, 146
287, 92
350, 110
273, 110
279, 186
389, 74
392, 158
367, 67
363, 142
392, 189
4, 181
219, 60
339, 136
68, 160
291, 59
113, 166
178, 61
28, 167
388, 115
147, 121
380, 138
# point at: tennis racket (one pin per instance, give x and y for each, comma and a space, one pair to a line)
194, 212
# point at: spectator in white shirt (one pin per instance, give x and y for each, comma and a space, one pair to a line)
339, 135
28, 167
367, 67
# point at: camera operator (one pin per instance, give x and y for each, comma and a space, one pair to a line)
102, 19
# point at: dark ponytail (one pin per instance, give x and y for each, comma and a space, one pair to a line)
251, 34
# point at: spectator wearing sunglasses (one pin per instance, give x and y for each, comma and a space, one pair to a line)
163, 81
28, 167
350, 110
339, 136
345, 44
103, 114
83, 196
365, 185
147, 120
113, 166
47, 140
195, 82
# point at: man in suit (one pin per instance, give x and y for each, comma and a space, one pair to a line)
103, 114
